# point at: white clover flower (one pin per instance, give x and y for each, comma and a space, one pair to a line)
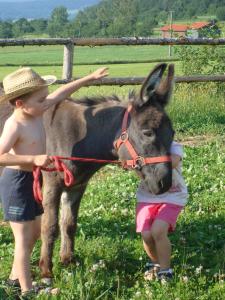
199, 269
185, 279
149, 293
137, 294
45, 291
125, 212
102, 264
55, 291
164, 282
46, 281
94, 268
182, 239
77, 264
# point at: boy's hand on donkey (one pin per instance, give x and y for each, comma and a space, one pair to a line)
100, 73
42, 160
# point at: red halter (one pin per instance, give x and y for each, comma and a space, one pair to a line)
137, 161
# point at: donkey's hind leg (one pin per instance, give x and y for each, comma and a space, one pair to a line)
70, 202
49, 230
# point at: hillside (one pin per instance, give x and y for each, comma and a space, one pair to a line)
135, 17
31, 9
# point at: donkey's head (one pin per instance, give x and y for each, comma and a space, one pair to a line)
150, 130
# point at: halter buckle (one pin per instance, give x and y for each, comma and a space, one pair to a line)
124, 136
139, 163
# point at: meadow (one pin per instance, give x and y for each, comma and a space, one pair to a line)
110, 258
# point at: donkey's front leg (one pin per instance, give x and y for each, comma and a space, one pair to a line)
70, 201
50, 228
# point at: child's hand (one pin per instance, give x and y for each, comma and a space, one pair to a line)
41, 160
100, 73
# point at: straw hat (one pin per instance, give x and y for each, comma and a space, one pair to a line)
23, 81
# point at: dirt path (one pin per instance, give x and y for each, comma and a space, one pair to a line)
198, 140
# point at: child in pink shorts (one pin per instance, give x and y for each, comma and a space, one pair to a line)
156, 215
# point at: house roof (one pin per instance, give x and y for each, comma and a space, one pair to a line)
199, 25
183, 27
175, 27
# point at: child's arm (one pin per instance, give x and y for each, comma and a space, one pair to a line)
175, 160
8, 139
66, 90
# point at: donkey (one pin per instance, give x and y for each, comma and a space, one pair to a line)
91, 128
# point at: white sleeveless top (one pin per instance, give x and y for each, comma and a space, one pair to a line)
177, 194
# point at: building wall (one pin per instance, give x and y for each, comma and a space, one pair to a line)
166, 34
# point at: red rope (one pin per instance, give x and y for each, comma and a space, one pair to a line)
60, 166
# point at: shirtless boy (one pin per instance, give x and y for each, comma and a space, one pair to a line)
22, 146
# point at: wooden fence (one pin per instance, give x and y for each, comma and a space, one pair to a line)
69, 44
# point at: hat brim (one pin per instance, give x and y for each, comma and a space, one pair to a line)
47, 80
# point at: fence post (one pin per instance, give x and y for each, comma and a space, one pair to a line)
68, 61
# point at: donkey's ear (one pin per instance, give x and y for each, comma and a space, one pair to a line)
154, 87
164, 89
151, 82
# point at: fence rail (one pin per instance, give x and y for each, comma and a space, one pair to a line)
120, 81
70, 43
112, 41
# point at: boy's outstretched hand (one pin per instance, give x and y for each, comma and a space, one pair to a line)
100, 73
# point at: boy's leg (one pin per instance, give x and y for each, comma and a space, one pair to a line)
149, 246
159, 232
36, 228
22, 232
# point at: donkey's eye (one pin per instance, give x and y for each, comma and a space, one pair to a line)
147, 132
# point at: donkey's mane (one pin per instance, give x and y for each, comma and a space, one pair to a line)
91, 101
88, 101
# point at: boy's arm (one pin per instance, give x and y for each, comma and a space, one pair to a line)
66, 90
8, 139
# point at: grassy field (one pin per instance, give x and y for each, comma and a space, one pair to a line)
110, 258
50, 58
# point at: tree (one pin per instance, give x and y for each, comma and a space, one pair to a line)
220, 13
58, 22
5, 30
39, 25
21, 26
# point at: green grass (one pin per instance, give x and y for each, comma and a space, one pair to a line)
110, 257
53, 54
50, 59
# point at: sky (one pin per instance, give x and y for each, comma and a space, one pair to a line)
15, 0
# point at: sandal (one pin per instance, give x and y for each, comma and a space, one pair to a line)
38, 290
165, 275
151, 271
13, 283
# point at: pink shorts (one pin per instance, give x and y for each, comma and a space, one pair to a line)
147, 213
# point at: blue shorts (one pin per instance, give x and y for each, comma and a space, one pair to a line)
16, 193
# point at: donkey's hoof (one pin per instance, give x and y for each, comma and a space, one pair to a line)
46, 281
66, 260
